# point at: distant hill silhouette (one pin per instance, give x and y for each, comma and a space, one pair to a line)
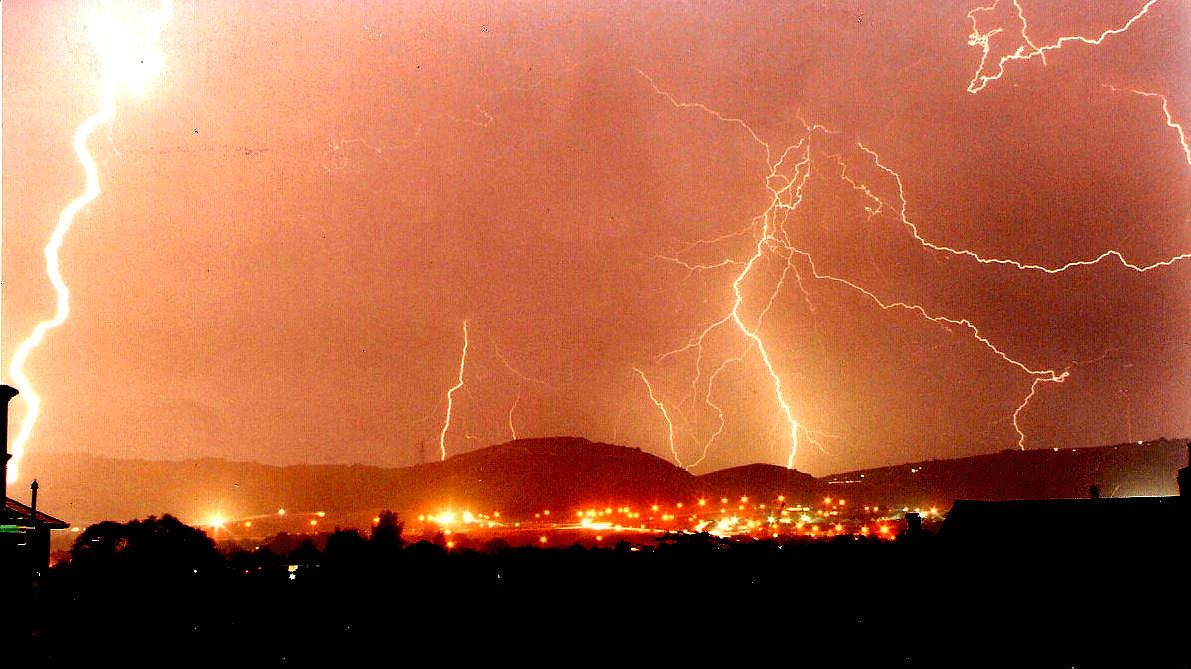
1121, 470
522, 476
528, 475
761, 481
563, 474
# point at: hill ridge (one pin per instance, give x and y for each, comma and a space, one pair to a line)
565, 473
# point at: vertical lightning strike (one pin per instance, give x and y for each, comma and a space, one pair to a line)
513, 428
983, 40
665, 414
1039, 379
784, 198
767, 241
126, 61
773, 239
520, 388
718, 409
442, 437
1021, 436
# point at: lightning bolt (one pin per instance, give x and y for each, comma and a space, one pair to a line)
1170, 122
665, 414
1021, 436
337, 152
513, 370
126, 62
442, 437
785, 195
520, 375
772, 249
983, 40
903, 217
512, 427
772, 240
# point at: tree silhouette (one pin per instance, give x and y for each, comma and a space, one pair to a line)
345, 549
160, 546
282, 543
691, 543
306, 554
386, 534
496, 545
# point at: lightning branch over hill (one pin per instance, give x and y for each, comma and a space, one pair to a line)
776, 243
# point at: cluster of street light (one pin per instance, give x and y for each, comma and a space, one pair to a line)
725, 517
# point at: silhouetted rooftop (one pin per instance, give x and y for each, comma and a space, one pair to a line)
1066, 519
18, 510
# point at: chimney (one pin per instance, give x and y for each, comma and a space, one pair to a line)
913, 524
6, 394
1184, 477
33, 504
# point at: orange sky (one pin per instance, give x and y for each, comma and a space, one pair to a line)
309, 201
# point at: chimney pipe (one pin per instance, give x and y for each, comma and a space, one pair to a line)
1184, 477
6, 394
33, 504
913, 524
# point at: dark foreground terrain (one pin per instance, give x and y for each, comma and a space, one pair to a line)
156, 592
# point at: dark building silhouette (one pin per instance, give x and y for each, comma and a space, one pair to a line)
913, 524
24, 531
1184, 477
1074, 522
